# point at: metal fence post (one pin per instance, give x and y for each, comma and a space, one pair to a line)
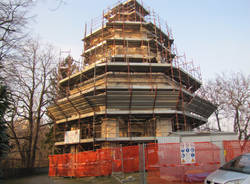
122, 160
143, 179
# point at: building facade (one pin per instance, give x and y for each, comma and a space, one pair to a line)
131, 88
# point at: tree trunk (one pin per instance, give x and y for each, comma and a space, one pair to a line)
218, 120
33, 155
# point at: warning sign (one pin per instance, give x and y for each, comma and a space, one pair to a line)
187, 151
72, 136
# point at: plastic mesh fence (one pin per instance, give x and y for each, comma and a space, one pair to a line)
101, 162
235, 148
168, 166
163, 162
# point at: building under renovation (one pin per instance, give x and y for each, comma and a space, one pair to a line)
133, 87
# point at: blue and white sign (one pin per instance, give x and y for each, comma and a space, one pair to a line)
187, 153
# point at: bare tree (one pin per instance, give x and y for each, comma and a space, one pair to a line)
237, 89
59, 4
13, 20
232, 95
30, 74
213, 91
4, 104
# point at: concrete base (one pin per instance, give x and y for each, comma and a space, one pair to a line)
163, 127
109, 128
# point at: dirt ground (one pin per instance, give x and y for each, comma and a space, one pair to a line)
44, 179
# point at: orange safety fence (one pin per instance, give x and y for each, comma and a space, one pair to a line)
163, 162
166, 165
131, 158
101, 162
235, 148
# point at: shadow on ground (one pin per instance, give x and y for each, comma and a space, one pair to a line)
44, 179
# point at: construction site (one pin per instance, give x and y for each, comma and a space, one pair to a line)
133, 104
133, 87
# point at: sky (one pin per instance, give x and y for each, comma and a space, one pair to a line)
215, 34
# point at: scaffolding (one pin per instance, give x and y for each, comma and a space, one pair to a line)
134, 86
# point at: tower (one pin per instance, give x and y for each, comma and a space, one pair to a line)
130, 90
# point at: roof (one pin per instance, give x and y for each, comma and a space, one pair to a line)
133, 3
136, 67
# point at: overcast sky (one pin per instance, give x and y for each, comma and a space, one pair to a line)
214, 33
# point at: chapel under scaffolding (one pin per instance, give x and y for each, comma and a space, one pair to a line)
133, 87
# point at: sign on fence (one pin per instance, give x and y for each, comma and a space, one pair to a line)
187, 151
72, 136
162, 161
